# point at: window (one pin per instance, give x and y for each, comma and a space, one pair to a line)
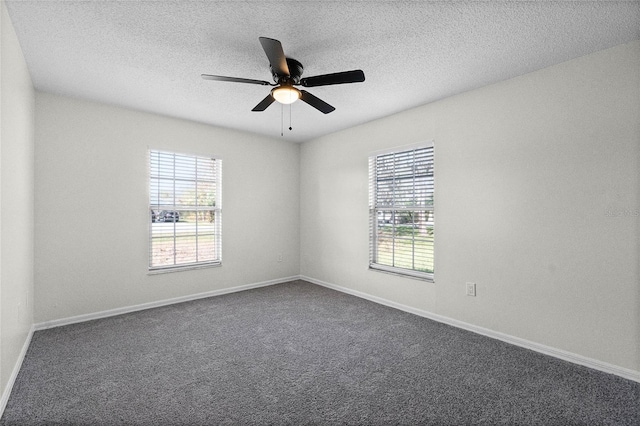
401, 212
185, 211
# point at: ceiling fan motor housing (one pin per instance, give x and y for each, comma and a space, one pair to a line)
295, 72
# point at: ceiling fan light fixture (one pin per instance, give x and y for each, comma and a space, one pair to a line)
286, 74
286, 94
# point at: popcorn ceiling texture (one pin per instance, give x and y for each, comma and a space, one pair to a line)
149, 55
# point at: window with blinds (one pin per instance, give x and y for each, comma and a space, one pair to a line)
401, 212
185, 211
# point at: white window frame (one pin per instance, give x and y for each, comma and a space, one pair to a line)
375, 209
176, 206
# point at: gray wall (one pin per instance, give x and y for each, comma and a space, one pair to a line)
91, 196
536, 201
16, 201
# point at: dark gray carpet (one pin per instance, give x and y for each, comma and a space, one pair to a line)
298, 353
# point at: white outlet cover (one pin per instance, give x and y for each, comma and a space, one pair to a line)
471, 289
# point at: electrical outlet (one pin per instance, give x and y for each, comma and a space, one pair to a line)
471, 289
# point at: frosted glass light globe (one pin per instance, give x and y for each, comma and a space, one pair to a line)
286, 94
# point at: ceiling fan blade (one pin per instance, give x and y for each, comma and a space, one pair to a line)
355, 76
235, 79
275, 54
316, 102
264, 104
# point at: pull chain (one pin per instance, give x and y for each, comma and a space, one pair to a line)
282, 119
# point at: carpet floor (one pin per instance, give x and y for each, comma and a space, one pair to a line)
294, 354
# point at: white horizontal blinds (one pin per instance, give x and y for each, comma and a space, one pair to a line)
401, 198
185, 210
373, 255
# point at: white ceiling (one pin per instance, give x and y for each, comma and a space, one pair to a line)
148, 55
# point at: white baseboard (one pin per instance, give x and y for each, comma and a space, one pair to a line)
547, 350
537, 347
134, 308
14, 374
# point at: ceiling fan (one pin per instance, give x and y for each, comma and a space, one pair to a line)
286, 74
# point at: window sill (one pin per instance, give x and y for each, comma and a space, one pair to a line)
169, 269
405, 273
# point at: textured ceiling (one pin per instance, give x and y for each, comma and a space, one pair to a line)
149, 55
